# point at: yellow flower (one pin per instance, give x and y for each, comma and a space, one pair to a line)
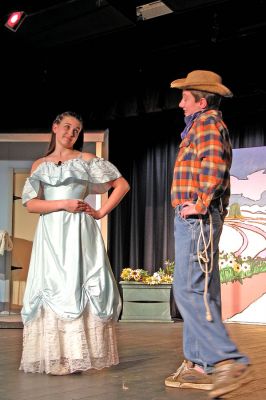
126, 274
236, 267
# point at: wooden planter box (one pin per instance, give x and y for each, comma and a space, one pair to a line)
145, 303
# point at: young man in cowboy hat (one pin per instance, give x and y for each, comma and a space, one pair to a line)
200, 194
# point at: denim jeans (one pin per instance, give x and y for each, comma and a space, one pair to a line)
204, 342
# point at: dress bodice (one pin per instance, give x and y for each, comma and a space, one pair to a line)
72, 189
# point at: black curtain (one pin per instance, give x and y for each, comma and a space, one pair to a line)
141, 227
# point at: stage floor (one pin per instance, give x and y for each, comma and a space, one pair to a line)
148, 353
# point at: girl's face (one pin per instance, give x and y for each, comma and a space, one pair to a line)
190, 105
67, 131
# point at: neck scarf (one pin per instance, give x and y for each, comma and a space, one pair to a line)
189, 121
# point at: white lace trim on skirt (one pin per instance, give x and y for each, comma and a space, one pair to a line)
62, 347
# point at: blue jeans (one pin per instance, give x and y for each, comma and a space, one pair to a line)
204, 342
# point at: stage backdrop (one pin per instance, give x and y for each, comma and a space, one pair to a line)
243, 241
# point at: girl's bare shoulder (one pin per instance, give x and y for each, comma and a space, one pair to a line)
88, 156
36, 164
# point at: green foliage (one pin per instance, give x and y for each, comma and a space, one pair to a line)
234, 268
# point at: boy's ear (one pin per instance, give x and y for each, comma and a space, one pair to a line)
203, 103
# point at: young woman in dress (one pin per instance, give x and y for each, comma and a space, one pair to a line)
71, 301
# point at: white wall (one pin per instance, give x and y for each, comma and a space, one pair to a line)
6, 190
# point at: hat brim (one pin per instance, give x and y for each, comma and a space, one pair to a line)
216, 88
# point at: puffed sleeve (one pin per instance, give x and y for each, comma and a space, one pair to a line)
31, 190
101, 172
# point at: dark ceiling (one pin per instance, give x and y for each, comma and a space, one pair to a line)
96, 49
50, 23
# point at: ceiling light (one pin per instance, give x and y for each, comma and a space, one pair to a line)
152, 10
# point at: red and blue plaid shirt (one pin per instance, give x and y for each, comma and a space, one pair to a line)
201, 171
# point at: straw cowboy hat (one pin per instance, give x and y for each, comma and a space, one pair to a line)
207, 81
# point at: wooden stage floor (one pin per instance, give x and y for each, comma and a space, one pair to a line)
148, 353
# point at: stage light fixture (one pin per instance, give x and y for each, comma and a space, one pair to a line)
152, 10
14, 20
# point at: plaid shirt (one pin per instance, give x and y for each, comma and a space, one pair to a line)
201, 171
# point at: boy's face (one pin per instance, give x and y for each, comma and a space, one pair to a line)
190, 105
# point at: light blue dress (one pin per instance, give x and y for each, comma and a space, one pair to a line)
70, 277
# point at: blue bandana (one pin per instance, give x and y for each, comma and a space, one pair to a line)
189, 121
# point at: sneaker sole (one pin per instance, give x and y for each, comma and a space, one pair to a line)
227, 389
200, 386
